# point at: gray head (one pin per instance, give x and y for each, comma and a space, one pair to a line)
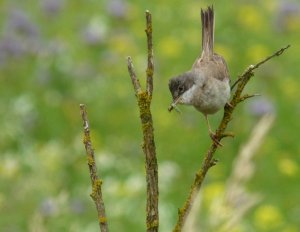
180, 84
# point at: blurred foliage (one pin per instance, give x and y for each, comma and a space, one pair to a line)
55, 54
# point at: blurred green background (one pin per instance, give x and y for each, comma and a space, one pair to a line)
56, 54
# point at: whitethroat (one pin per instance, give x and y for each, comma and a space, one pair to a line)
206, 86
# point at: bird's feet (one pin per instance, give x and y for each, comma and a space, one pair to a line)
229, 105
215, 139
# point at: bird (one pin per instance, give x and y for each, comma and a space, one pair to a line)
206, 86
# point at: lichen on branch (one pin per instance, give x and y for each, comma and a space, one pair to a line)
144, 98
96, 194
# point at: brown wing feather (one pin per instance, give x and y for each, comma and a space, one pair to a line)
222, 68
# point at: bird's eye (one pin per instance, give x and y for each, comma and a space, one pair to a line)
180, 89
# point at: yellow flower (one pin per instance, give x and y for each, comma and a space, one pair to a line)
213, 191
170, 47
250, 17
290, 88
267, 217
257, 52
287, 167
224, 51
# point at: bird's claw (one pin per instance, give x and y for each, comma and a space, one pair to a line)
215, 139
229, 105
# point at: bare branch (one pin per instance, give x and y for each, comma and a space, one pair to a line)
144, 102
253, 67
135, 81
150, 67
278, 53
220, 132
247, 96
96, 194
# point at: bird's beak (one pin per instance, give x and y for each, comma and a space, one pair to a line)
174, 105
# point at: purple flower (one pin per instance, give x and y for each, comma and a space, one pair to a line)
20, 24
95, 32
52, 7
10, 47
48, 207
261, 106
117, 8
77, 206
20, 36
287, 10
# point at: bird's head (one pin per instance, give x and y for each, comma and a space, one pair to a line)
179, 85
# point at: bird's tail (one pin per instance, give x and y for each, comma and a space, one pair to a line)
207, 19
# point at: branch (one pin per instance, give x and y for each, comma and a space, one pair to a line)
135, 82
96, 194
150, 68
251, 68
144, 102
208, 161
278, 53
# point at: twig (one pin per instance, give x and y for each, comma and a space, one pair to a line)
207, 162
278, 53
144, 102
150, 67
226, 215
246, 96
96, 194
135, 82
253, 67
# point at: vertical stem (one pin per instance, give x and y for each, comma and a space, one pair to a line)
144, 103
96, 194
152, 218
150, 66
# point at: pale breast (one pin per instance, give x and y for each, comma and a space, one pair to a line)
212, 96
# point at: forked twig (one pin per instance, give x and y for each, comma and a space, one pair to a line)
144, 102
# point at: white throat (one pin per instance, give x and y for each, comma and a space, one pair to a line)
187, 96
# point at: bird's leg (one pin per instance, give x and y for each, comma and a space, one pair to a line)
212, 134
229, 104
208, 125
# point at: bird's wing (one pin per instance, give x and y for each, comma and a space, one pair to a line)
221, 69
